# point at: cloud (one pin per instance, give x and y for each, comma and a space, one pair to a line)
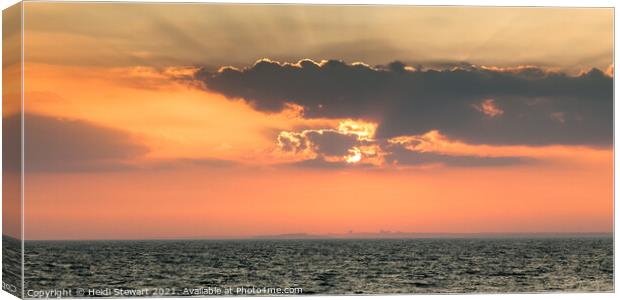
476, 104
331, 143
64, 145
58, 145
181, 163
320, 163
348, 143
346, 148
404, 157
398, 156
489, 108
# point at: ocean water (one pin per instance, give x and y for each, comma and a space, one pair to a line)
201, 267
11, 265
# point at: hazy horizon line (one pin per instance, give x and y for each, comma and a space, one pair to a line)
346, 236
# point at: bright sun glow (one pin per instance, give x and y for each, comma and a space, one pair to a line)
355, 155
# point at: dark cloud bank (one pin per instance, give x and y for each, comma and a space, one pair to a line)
537, 107
55, 145
65, 145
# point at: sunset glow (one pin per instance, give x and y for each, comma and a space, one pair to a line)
156, 134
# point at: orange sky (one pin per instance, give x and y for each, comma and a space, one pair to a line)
185, 161
569, 191
199, 203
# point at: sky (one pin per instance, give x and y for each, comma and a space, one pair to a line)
187, 120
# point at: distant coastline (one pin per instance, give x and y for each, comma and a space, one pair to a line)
418, 235
356, 236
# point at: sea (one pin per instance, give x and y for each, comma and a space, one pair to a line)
308, 266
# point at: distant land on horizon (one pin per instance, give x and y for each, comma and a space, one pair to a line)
363, 235
413, 235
